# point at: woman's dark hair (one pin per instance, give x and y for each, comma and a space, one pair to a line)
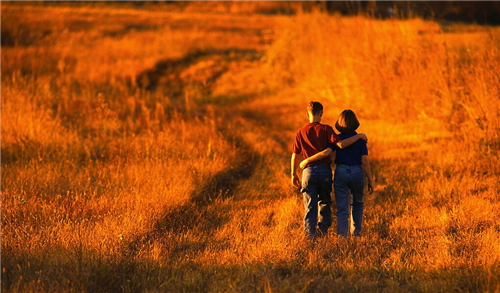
347, 122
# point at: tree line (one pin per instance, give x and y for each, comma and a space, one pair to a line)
480, 12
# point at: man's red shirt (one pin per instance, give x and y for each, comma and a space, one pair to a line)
312, 139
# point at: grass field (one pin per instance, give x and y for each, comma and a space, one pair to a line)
148, 150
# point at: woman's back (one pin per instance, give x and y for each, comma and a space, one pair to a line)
352, 154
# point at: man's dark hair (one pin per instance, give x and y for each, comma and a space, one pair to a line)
315, 107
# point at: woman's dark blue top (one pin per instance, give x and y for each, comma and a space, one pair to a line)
350, 155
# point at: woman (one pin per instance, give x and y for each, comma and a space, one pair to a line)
351, 163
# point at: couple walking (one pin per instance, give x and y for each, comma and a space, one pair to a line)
316, 142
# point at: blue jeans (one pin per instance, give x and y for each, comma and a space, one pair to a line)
349, 178
316, 191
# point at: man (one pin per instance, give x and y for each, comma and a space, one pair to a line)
317, 176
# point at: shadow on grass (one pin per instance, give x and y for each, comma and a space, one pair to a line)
199, 215
206, 66
99, 273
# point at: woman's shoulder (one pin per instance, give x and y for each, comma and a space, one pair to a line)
347, 135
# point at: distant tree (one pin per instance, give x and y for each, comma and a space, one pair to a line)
480, 12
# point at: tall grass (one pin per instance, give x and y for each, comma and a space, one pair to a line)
398, 71
109, 187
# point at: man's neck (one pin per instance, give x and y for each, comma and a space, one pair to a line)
313, 119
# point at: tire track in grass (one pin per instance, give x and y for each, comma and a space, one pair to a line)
198, 214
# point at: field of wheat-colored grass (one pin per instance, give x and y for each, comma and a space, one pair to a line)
148, 150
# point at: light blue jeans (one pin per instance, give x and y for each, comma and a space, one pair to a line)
316, 191
349, 178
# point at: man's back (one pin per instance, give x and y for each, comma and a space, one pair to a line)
313, 138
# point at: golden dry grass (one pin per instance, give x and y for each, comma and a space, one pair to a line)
108, 186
